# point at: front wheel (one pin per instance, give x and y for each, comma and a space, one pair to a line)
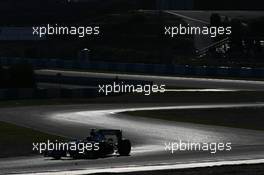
124, 147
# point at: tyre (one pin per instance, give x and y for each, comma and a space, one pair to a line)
57, 157
46, 153
58, 154
74, 155
91, 154
124, 147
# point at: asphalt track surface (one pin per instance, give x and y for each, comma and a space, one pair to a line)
147, 135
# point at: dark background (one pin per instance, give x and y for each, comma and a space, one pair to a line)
128, 34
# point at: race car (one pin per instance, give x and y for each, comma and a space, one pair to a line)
100, 143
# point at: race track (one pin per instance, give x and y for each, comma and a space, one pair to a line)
148, 136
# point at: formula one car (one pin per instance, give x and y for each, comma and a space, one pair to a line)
100, 143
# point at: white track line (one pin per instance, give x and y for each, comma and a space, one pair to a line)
152, 168
137, 76
226, 106
201, 90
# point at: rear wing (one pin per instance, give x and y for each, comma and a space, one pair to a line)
117, 133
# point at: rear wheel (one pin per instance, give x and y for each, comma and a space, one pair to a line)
74, 155
58, 154
57, 157
124, 147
